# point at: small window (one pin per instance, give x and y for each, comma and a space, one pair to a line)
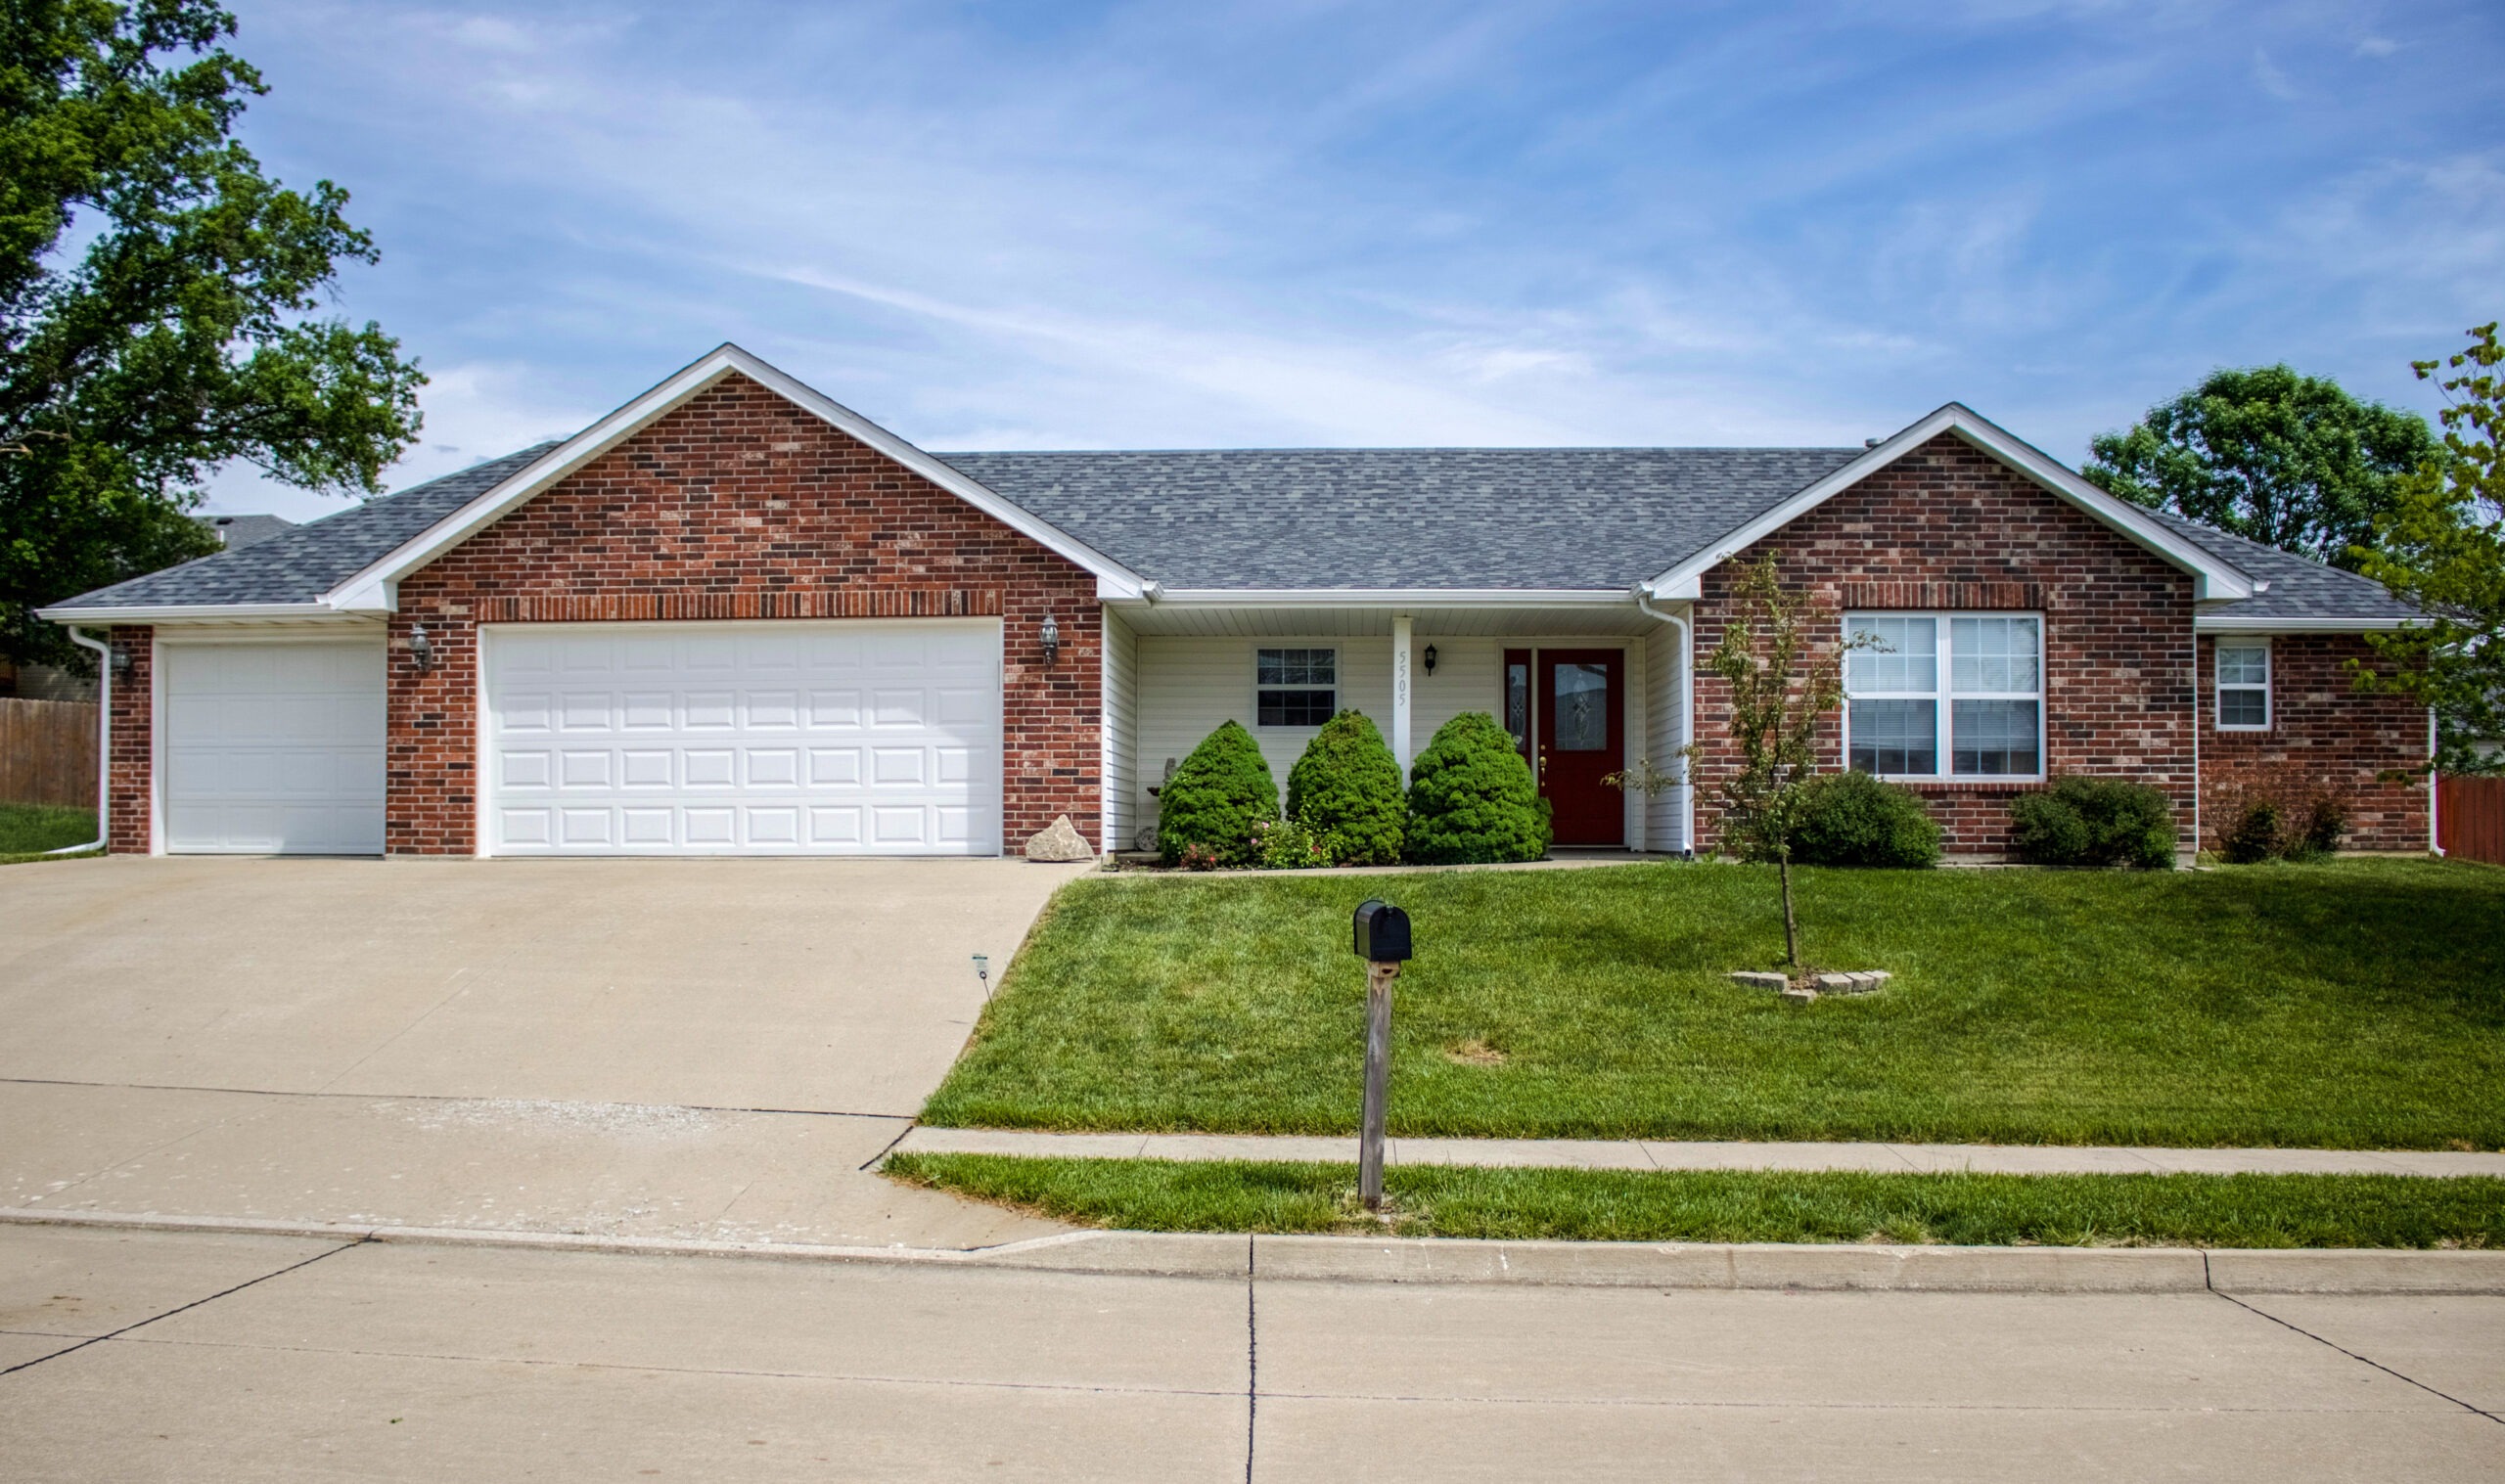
2243, 685
1296, 688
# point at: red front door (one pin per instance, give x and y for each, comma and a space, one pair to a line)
1583, 739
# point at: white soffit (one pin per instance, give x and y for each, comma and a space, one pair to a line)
373, 590
2214, 580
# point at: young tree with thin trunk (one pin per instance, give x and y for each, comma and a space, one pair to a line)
1784, 684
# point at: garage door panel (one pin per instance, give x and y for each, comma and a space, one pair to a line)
733, 745
273, 747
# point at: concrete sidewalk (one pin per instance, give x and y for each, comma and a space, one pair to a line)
1658, 1155
267, 1357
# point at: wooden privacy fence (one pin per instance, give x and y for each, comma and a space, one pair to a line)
48, 753
2469, 818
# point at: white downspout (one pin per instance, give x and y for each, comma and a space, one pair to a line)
2435, 794
104, 741
1687, 711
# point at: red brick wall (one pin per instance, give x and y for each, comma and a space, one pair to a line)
740, 505
1949, 527
134, 740
2324, 738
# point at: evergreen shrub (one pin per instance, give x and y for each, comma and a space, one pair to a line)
1852, 819
2095, 822
1214, 809
1472, 799
1346, 792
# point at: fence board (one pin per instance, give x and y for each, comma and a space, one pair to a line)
47, 752
2469, 818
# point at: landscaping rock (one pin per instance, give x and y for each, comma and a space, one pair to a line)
1802, 996
1748, 979
1859, 982
1059, 840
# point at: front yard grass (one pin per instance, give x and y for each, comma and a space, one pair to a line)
2354, 1004
28, 830
1735, 1205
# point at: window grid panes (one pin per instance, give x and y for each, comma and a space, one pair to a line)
1963, 690
1296, 688
2243, 685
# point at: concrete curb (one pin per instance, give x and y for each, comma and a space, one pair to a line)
1726, 1266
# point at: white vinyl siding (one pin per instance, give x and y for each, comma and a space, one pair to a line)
1665, 818
2243, 685
1123, 802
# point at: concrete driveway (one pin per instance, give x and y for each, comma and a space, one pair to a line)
654, 1048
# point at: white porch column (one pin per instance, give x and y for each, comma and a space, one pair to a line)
1400, 692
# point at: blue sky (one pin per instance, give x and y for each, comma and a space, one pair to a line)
1282, 223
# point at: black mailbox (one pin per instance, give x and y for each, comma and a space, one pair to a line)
1383, 932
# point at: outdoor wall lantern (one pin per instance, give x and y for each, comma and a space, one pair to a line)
121, 660
1052, 641
1430, 657
420, 648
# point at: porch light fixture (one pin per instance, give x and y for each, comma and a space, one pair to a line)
1052, 641
121, 659
420, 648
1430, 658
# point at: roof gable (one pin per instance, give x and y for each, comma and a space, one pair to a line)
2213, 576
372, 588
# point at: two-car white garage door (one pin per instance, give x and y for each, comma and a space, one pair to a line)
775, 738
851, 737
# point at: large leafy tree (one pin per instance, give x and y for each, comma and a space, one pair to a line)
158, 304
2441, 546
2286, 460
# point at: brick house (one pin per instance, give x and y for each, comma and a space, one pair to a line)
736, 617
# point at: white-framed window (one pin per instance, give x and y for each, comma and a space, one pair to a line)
2243, 685
1296, 688
1945, 694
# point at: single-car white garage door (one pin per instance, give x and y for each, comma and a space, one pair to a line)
775, 738
271, 747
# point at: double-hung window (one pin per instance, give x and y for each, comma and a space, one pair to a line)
1296, 688
1945, 694
2243, 685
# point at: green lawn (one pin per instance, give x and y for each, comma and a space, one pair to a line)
2357, 1004
1724, 1205
28, 831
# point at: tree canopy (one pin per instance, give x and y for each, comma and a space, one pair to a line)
157, 305
2287, 460
2441, 546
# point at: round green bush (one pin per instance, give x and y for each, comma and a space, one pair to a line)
1215, 799
1852, 819
2094, 821
1470, 798
1345, 789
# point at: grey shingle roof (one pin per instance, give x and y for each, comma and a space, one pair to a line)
2299, 586
301, 563
1438, 518
236, 532
1390, 518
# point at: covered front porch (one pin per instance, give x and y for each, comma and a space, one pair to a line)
1588, 684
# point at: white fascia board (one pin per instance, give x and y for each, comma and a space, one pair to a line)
2232, 623
1361, 597
198, 612
373, 590
2214, 580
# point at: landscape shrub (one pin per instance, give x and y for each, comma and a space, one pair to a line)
2094, 821
1208, 809
1852, 819
2250, 833
2259, 829
1286, 845
1346, 792
1472, 799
